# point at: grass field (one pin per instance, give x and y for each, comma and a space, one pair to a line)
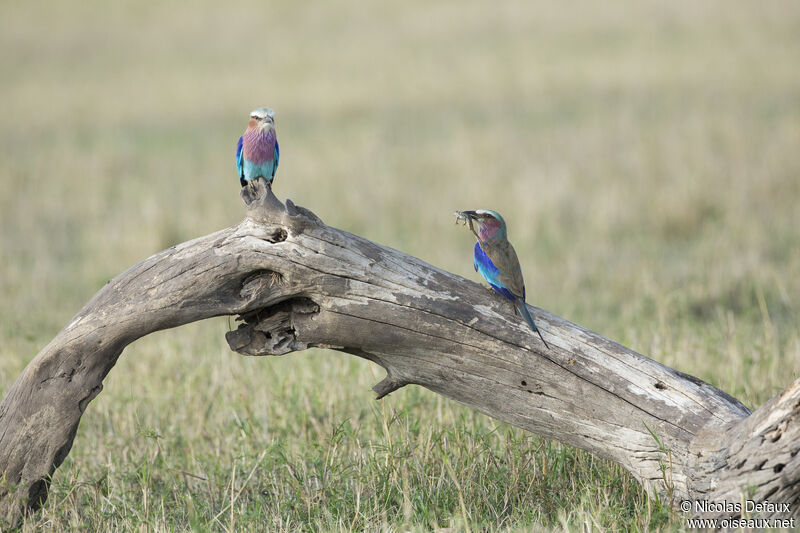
646, 156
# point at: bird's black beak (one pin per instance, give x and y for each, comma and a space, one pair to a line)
471, 215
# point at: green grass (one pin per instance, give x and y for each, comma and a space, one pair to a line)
645, 156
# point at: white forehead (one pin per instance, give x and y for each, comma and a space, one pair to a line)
262, 113
493, 214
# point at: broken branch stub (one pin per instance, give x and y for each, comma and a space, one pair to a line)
298, 283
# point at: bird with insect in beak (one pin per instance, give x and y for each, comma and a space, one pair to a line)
496, 260
257, 151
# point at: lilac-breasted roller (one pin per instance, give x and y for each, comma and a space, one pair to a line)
257, 151
496, 260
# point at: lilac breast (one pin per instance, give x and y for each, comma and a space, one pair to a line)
259, 146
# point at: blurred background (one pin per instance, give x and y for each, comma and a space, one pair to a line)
644, 155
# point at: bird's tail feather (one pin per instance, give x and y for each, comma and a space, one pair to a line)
523, 309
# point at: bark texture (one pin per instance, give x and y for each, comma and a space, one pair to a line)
298, 283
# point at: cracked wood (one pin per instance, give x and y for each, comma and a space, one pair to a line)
298, 283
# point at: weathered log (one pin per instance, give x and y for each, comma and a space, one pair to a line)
298, 283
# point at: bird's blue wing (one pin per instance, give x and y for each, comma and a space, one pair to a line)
239, 162
277, 157
504, 259
484, 265
489, 272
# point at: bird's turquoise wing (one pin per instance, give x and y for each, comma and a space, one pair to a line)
239, 157
277, 157
489, 272
504, 257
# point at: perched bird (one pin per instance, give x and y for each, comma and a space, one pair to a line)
257, 151
496, 260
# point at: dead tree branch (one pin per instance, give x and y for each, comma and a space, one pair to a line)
299, 283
